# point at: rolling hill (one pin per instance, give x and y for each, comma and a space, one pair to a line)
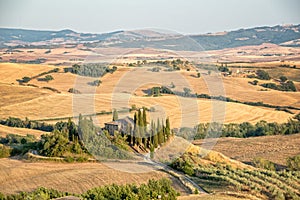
286, 35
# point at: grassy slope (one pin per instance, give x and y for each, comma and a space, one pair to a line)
274, 148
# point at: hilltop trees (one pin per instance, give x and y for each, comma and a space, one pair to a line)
263, 75
90, 69
55, 144
64, 139
284, 86
157, 133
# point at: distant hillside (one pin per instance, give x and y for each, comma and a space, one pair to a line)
253, 36
287, 35
21, 37
280, 35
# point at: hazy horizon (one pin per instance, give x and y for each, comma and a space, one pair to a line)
187, 17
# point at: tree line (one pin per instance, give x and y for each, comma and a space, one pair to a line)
90, 69
242, 130
26, 79
31, 124
63, 141
154, 189
284, 86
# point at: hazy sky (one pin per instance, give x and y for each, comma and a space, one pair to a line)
183, 16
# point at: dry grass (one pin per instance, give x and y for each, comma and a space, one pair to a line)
201, 155
290, 73
64, 81
11, 71
240, 89
16, 176
15, 94
4, 130
124, 88
274, 148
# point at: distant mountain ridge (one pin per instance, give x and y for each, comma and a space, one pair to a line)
285, 35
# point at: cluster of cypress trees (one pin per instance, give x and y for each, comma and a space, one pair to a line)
157, 134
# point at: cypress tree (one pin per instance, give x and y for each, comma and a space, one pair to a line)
160, 137
72, 132
158, 126
144, 119
137, 128
163, 130
115, 115
141, 127
168, 130
155, 140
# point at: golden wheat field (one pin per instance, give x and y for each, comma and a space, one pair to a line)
126, 87
17, 175
239, 89
274, 148
4, 130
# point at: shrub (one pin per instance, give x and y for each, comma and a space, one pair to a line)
293, 163
264, 164
74, 91
283, 78
223, 69
95, 83
26, 79
82, 159
48, 78
185, 166
69, 159
297, 117
4, 151
253, 82
52, 89
263, 75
